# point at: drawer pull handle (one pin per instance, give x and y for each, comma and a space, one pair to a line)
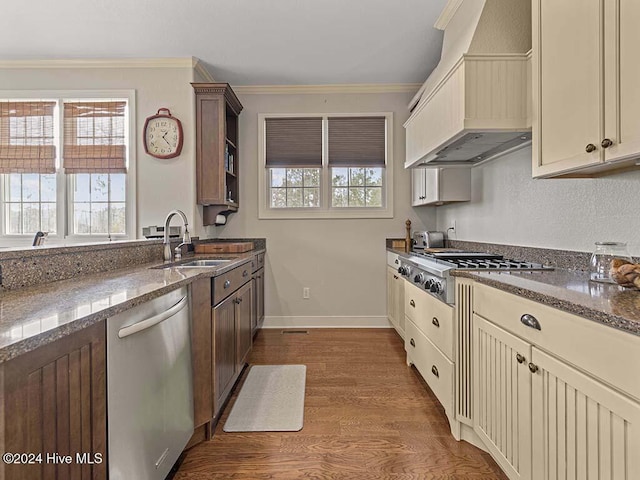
396, 261
412, 303
434, 370
435, 322
245, 273
533, 368
412, 342
530, 321
396, 277
520, 358
590, 148
227, 283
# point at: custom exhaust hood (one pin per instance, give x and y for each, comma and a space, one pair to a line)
476, 104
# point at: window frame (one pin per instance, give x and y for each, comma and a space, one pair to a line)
64, 182
325, 210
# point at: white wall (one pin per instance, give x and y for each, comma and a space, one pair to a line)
162, 185
509, 207
341, 261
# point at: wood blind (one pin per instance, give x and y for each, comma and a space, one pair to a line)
94, 137
357, 142
26, 137
294, 142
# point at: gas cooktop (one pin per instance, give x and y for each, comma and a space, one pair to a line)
480, 261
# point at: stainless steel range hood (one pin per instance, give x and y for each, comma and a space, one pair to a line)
475, 106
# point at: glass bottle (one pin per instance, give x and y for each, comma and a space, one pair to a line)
601, 258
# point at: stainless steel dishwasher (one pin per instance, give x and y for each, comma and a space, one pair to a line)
150, 396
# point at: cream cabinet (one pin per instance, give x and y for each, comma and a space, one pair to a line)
552, 396
585, 97
395, 300
439, 186
502, 403
429, 343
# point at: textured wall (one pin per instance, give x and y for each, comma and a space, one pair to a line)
509, 207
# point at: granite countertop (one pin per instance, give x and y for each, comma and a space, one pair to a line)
34, 316
568, 290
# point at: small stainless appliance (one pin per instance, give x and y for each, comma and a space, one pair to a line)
422, 240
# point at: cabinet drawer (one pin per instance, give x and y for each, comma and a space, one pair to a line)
230, 281
434, 367
431, 316
601, 351
393, 260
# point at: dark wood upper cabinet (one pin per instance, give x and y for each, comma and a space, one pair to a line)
217, 149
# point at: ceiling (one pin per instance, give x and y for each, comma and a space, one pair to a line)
243, 42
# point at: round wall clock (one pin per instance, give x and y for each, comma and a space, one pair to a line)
162, 135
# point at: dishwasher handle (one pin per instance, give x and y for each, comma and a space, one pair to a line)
150, 322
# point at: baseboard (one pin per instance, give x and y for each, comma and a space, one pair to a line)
326, 322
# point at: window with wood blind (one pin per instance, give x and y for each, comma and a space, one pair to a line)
65, 167
326, 166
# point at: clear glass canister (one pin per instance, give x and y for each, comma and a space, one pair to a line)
601, 260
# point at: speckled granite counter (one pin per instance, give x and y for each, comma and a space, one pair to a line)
568, 290
34, 316
572, 292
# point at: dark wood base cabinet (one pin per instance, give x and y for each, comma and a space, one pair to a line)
54, 402
222, 315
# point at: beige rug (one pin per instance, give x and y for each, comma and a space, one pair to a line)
270, 400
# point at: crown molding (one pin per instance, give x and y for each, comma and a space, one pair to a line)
200, 67
325, 89
447, 14
177, 62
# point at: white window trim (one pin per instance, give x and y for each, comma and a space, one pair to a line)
324, 211
63, 237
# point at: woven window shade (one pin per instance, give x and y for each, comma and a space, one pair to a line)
26, 137
294, 142
94, 137
357, 142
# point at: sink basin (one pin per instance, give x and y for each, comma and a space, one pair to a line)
202, 263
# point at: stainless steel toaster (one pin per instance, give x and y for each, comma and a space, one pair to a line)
422, 240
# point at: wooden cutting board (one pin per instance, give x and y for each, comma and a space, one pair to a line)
224, 247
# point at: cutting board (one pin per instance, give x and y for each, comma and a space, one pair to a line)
224, 247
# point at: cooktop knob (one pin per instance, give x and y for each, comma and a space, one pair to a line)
436, 287
400, 270
419, 278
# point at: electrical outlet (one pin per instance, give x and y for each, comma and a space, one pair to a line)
305, 293
451, 231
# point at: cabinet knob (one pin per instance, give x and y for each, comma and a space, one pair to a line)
396, 277
530, 321
227, 283
245, 273
591, 148
412, 303
412, 342
434, 370
533, 368
520, 358
606, 143
435, 322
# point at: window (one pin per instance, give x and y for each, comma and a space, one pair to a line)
65, 168
326, 166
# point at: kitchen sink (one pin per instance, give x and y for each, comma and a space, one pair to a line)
202, 263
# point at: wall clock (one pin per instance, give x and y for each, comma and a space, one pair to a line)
162, 135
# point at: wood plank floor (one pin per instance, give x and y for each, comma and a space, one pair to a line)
367, 416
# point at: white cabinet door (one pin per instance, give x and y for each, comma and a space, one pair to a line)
581, 428
417, 187
432, 185
399, 303
391, 296
568, 45
622, 77
502, 397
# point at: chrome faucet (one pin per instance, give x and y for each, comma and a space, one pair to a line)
186, 238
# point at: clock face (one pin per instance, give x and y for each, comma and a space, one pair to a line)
163, 137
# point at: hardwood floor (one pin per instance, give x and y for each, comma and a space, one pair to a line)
367, 416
